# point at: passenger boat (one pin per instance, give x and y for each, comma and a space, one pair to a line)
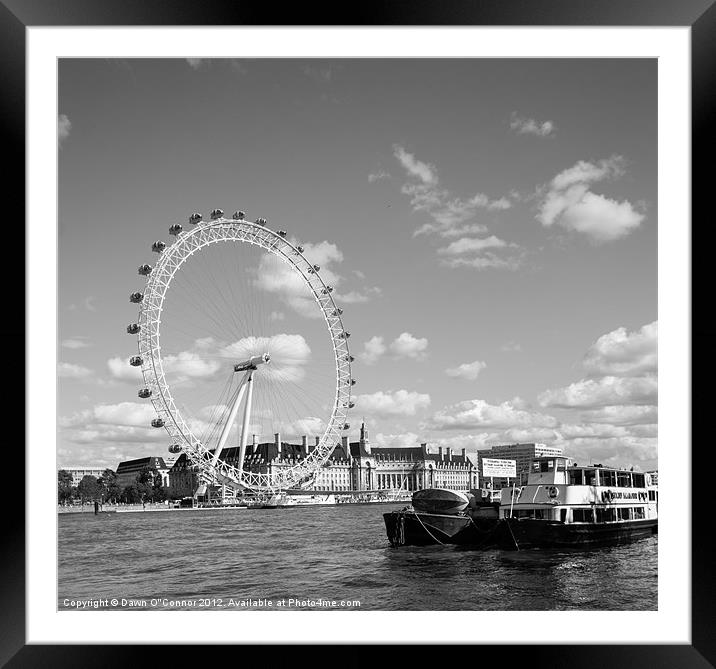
566, 505
442, 516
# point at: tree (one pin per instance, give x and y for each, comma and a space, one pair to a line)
131, 494
109, 486
149, 484
89, 488
64, 486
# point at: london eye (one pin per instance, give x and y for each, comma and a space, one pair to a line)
241, 343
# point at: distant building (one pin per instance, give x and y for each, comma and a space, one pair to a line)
78, 473
522, 454
127, 471
355, 466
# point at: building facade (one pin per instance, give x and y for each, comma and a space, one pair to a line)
128, 470
352, 467
78, 473
522, 454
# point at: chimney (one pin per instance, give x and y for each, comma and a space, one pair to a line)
277, 441
440, 452
304, 444
344, 442
449, 453
464, 454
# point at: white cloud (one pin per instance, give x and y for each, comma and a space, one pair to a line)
278, 277
310, 426
528, 126
472, 245
373, 349
408, 346
622, 353
290, 354
478, 414
416, 168
468, 370
120, 369
67, 370
570, 203
64, 125
511, 346
609, 390
398, 403
622, 415
277, 316
528, 435
75, 343
401, 440
379, 175
485, 261
358, 297
189, 365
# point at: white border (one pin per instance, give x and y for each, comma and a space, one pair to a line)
670, 624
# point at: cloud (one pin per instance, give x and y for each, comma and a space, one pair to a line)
511, 346
408, 346
373, 349
75, 343
379, 175
528, 126
570, 203
120, 369
485, 261
472, 245
357, 297
478, 414
64, 125
398, 403
67, 370
468, 370
276, 276
277, 316
189, 365
622, 414
401, 440
423, 171
622, 353
609, 390
290, 355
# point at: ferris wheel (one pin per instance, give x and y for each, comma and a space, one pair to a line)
235, 318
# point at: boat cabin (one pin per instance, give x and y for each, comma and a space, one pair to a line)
549, 470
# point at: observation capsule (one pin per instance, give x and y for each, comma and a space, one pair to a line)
136, 298
327, 289
351, 405
157, 422
345, 334
216, 213
346, 426
239, 215
349, 358
133, 328
144, 393
195, 218
260, 221
299, 249
136, 361
281, 233
175, 448
144, 270
338, 312
353, 382
158, 246
175, 229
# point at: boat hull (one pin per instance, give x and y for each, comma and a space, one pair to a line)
410, 528
518, 534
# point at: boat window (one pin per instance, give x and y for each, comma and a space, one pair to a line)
652, 496
638, 512
624, 513
590, 477
563, 515
624, 479
535, 467
576, 476
639, 480
606, 515
582, 516
561, 465
607, 477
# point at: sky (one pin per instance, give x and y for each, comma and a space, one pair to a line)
489, 227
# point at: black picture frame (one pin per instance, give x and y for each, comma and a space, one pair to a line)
699, 15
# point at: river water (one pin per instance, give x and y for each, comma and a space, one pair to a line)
307, 556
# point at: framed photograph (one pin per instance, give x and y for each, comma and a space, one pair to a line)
361, 329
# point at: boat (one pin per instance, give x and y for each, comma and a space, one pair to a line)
564, 505
443, 516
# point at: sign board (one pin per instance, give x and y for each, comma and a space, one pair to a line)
500, 468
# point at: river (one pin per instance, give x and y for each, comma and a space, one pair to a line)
308, 556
